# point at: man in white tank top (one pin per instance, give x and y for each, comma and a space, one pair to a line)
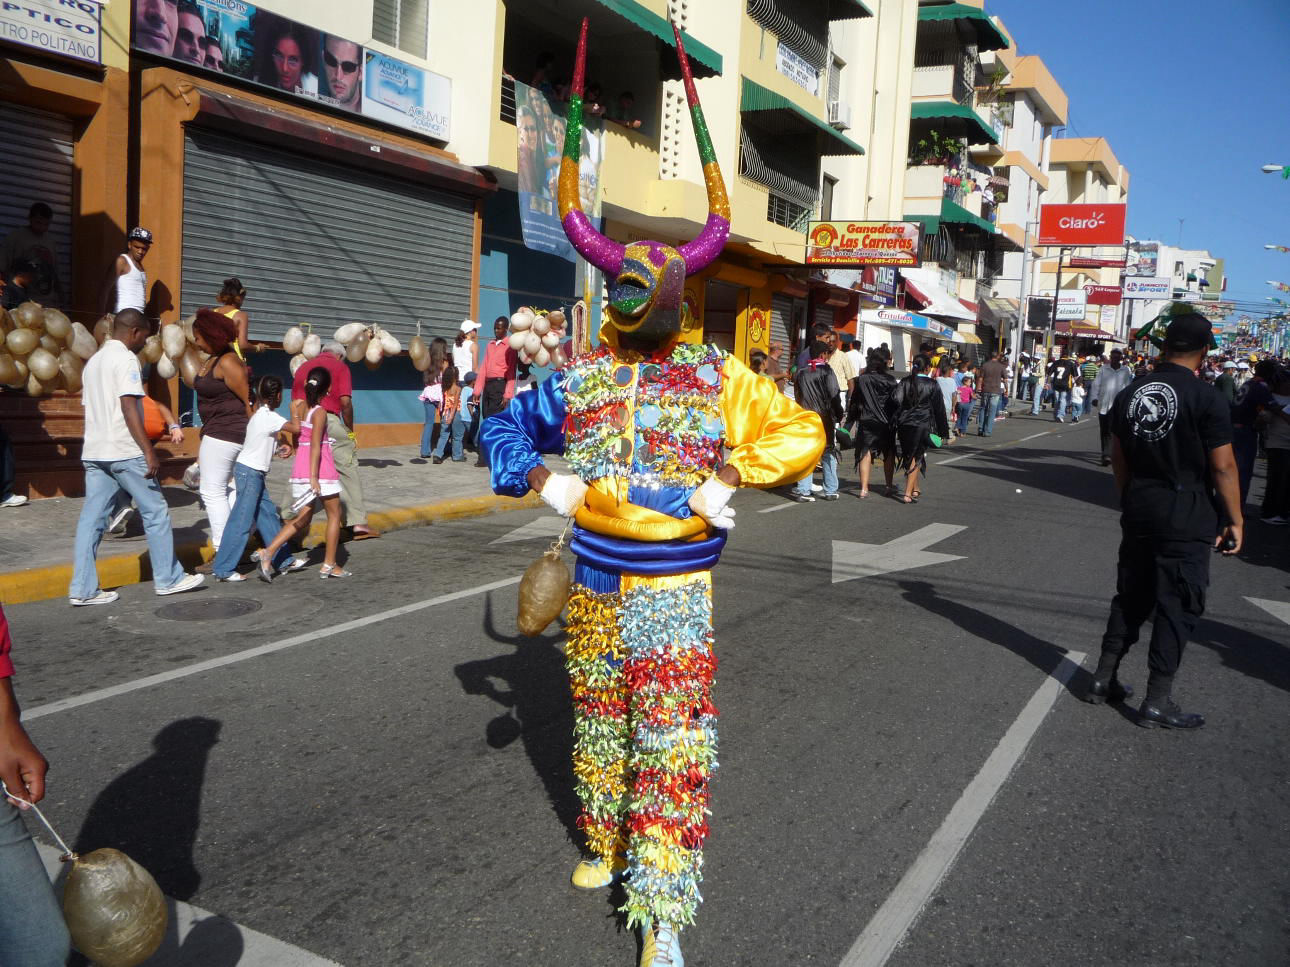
127, 285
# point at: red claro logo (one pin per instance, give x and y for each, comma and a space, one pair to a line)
1081, 225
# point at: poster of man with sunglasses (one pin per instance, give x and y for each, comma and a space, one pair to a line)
242, 40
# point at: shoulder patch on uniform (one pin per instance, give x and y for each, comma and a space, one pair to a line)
1152, 410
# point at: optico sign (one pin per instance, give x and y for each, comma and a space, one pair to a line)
862, 243
1080, 225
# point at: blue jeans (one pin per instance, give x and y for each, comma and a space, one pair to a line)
427, 432
456, 430
103, 480
1077, 410
1036, 401
1245, 448
252, 506
989, 407
32, 932
829, 463
1061, 400
964, 414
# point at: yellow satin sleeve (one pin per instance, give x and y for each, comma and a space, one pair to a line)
772, 440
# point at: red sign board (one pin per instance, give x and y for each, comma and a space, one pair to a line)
1103, 295
1081, 224
1085, 262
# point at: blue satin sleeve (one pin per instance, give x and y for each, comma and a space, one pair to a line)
515, 439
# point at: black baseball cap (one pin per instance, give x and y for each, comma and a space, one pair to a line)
1187, 333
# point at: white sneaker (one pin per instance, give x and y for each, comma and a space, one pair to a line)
13, 500
100, 597
187, 583
231, 579
816, 488
120, 520
661, 947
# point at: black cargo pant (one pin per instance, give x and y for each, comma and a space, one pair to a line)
1104, 430
1169, 577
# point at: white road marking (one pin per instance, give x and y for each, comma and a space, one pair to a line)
216, 938
962, 456
894, 918
783, 506
852, 560
1035, 436
1278, 609
99, 695
543, 528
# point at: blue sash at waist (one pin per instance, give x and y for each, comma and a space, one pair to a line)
646, 558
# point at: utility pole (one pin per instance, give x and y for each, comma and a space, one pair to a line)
1057, 291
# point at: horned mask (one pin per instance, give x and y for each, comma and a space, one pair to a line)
646, 280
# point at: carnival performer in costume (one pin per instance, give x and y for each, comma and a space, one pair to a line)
659, 429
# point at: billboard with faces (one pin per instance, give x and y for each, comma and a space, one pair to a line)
246, 41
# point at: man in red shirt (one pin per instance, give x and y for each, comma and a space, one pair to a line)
496, 381
339, 404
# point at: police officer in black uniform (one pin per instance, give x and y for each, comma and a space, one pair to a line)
1177, 477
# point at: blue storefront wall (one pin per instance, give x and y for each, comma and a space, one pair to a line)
387, 394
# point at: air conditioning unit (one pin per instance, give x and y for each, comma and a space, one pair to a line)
840, 115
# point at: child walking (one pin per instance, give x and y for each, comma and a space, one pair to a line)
964, 404
450, 422
250, 478
313, 478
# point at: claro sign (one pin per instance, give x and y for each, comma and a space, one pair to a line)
1081, 225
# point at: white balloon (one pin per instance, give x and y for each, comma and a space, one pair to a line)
43, 364
82, 341
375, 350
166, 368
173, 340
517, 340
297, 361
389, 345
559, 359
312, 346
532, 343
521, 321
551, 340
542, 357
293, 340
347, 333
541, 325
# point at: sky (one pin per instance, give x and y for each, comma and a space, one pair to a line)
1193, 97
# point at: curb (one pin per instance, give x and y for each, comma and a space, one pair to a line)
47, 583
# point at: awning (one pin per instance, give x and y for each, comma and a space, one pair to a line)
1086, 331
956, 213
925, 286
968, 337
996, 310
782, 116
988, 36
704, 61
956, 120
903, 319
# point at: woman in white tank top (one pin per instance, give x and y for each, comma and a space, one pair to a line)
465, 354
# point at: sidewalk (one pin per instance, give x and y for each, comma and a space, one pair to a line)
401, 489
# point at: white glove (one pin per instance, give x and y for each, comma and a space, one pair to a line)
564, 493
710, 502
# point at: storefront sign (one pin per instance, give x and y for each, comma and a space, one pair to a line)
248, 42
797, 69
540, 126
878, 284
1072, 304
1103, 295
1158, 287
1106, 318
900, 319
1081, 224
1143, 258
862, 243
71, 28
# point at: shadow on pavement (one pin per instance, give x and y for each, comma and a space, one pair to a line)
538, 710
152, 813
1044, 655
1243, 651
1051, 471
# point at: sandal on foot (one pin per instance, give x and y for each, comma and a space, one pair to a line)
334, 571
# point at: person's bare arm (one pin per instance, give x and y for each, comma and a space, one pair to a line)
1222, 467
22, 767
132, 410
233, 372
172, 425
120, 267
347, 412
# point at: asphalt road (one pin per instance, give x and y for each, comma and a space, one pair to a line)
398, 792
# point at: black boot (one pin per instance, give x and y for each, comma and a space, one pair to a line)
1159, 711
1106, 683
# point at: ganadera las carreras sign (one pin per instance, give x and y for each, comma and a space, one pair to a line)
862, 243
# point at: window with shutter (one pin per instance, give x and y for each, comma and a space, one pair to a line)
401, 24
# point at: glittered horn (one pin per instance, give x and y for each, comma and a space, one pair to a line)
705, 249
604, 253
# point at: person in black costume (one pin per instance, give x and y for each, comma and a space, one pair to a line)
868, 409
816, 389
1178, 483
918, 410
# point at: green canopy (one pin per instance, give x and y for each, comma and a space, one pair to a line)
704, 61
957, 120
953, 212
787, 117
988, 36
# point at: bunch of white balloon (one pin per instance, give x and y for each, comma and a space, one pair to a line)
536, 337
41, 350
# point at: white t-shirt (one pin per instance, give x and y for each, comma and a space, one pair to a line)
111, 373
261, 434
461, 358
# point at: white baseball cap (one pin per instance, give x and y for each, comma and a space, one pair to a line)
1229, 365
470, 325
1243, 366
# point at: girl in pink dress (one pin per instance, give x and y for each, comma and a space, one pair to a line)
313, 478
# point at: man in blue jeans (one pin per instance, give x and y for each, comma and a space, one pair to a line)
993, 374
32, 931
1062, 373
816, 389
117, 455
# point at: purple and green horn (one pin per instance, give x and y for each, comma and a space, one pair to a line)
604, 253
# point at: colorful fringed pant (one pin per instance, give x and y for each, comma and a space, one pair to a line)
641, 667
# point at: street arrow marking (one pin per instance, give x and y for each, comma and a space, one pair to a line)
543, 527
852, 560
1278, 609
